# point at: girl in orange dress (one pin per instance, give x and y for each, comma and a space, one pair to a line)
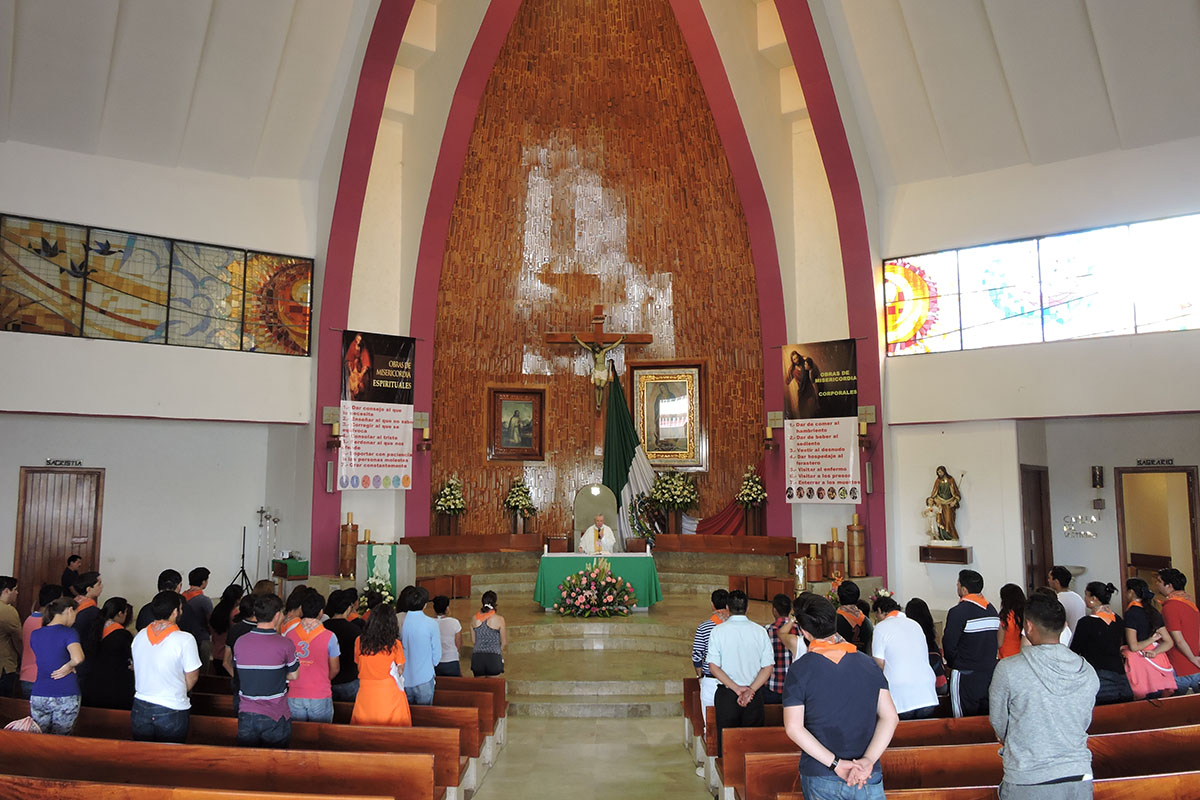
381, 699
1012, 619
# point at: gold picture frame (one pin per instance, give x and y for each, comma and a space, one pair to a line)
668, 404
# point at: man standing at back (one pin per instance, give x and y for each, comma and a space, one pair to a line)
1182, 621
741, 659
969, 644
202, 608
10, 635
837, 709
166, 665
170, 580
1041, 706
422, 641
1072, 603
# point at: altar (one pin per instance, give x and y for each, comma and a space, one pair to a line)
637, 568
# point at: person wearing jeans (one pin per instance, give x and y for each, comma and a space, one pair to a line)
265, 662
422, 641
166, 664
310, 695
54, 700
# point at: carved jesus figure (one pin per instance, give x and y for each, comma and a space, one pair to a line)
599, 367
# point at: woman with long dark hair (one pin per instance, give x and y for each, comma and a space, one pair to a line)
380, 659
918, 610
489, 637
1145, 632
1098, 638
1012, 619
54, 700
219, 622
110, 681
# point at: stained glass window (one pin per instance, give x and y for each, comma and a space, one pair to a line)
1163, 274
127, 286
1000, 295
1082, 278
921, 303
278, 300
43, 276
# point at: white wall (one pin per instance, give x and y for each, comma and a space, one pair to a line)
989, 520
176, 494
1075, 445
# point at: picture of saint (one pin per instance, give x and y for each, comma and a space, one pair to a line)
800, 387
666, 411
357, 369
517, 424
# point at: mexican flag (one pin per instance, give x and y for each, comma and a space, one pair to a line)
627, 471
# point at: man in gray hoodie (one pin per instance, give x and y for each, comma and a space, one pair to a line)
1040, 707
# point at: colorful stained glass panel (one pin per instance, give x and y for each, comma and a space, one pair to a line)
43, 276
1001, 302
921, 303
1083, 275
206, 296
127, 286
278, 302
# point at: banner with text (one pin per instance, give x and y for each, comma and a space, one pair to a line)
376, 411
821, 422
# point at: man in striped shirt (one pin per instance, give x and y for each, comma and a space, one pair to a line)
265, 662
969, 644
708, 684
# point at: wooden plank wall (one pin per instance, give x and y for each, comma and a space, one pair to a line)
595, 174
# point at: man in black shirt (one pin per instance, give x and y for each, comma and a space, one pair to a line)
244, 623
345, 684
71, 575
170, 580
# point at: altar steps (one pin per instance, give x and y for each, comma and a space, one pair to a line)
508, 586
614, 706
691, 583
645, 684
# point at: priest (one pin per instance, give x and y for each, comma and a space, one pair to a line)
598, 538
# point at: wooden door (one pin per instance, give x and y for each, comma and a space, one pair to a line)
58, 513
1035, 525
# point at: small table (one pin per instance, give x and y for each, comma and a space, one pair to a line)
637, 568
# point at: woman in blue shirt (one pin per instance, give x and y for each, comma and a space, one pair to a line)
54, 700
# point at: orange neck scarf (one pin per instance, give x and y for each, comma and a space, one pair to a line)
716, 618
352, 615
1181, 597
110, 627
834, 648
307, 634
892, 614
157, 631
1135, 604
852, 614
86, 602
977, 599
482, 617
190, 593
1105, 613
291, 623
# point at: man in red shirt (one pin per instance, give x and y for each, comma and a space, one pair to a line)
1182, 621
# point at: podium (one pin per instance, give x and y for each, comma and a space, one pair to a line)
393, 562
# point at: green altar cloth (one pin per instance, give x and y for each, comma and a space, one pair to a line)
637, 568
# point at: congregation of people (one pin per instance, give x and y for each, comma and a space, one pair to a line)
286, 660
847, 673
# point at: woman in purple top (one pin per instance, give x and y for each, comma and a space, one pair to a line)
54, 700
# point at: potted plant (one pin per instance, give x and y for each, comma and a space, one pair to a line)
520, 503
675, 492
751, 497
449, 505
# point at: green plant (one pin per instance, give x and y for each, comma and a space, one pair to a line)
449, 498
519, 499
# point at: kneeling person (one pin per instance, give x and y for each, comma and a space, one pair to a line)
310, 696
265, 662
166, 664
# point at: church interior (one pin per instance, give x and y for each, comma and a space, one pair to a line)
558, 203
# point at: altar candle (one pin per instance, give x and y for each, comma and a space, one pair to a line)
336, 430
545, 549
350, 518
862, 429
835, 534
770, 433
425, 434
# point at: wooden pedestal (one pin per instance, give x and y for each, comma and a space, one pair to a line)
945, 555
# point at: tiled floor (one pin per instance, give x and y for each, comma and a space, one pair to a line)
586, 759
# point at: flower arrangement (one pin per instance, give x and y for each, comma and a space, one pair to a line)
835, 581
595, 592
882, 591
674, 491
376, 584
753, 492
449, 499
519, 501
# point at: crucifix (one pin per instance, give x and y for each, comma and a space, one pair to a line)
598, 342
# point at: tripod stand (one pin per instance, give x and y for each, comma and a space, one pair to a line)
242, 579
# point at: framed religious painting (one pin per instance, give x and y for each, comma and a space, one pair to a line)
670, 414
516, 424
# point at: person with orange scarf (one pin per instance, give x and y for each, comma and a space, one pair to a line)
837, 708
110, 681
202, 605
166, 665
1182, 621
852, 623
970, 646
87, 624
1098, 638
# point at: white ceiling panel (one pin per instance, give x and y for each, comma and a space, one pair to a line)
965, 84
301, 97
1151, 64
154, 66
234, 86
61, 56
895, 91
1053, 73
8, 10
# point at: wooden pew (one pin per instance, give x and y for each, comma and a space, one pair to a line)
1114, 755
487, 720
1169, 713
498, 689
398, 775
17, 787
1176, 784
449, 767
691, 723
466, 720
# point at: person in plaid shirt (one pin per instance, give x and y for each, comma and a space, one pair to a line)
781, 632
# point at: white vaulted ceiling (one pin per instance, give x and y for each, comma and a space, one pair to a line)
229, 86
946, 88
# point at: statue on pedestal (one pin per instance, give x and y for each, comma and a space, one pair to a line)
944, 500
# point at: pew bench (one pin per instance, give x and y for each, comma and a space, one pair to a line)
397, 775
691, 686
449, 766
497, 687
18, 787
1175, 784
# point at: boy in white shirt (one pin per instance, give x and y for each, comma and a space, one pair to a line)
166, 664
451, 633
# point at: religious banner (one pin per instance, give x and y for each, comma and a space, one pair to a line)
821, 422
376, 424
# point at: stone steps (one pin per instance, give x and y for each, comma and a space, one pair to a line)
609, 706
678, 646
571, 688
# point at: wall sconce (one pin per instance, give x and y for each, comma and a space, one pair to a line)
425, 442
769, 438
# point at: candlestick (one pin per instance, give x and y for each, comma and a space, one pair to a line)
862, 429
336, 430
770, 432
425, 433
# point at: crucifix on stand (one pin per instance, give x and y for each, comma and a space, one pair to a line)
598, 342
